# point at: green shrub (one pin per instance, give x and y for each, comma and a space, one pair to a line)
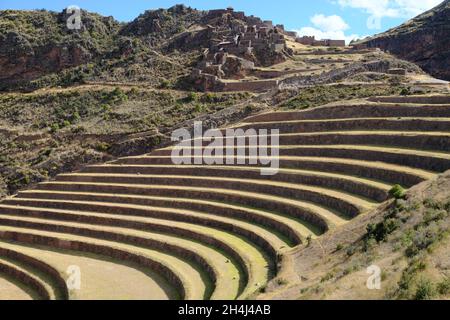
407, 238
397, 192
351, 251
444, 287
209, 97
54, 127
78, 129
434, 216
433, 204
423, 239
369, 243
405, 285
199, 108
75, 117
447, 206
327, 277
102, 146
192, 96
164, 84
249, 109
117, 96
105, 107
133, 92
405, 92
380, 231
425, 290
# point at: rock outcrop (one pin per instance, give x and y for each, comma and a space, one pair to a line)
36, 43
422, 40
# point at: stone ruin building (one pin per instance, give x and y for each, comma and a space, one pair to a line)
311, 41
237, 44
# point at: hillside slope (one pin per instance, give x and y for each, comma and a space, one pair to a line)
34, 43
216, 231
422, 40
407, 239
38, 50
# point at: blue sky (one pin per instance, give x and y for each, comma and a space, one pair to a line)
322, 18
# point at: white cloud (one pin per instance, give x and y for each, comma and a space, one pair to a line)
328, 27
390, 8
412, 8
378, 9
334, 27
329, 23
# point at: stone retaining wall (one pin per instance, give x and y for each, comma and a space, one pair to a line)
43, 267
292, 193
252, 86
413, 99
25, 279
281, 207
213, 209
355, 111
300, 178
114, 253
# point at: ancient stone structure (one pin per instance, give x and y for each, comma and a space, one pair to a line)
397, 71
359, 46
237, 44
311, 41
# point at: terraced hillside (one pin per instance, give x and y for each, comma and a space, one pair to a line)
218, 232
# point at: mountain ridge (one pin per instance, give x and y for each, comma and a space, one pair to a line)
422, 40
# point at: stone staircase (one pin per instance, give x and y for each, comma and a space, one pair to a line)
218, 231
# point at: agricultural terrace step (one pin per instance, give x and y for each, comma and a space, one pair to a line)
390, 124
289, 227
363, 187
225, 275
115, 209
182, 276
349, 205
12, 290
370, 110
317, 216
254, 261
220, 240
100, 274
384, 172
426, 160
413, 99
435, 141
142, 218
24, 277
58, 284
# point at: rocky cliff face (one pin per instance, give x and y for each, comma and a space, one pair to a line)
35, 43
423, 40
156, 25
